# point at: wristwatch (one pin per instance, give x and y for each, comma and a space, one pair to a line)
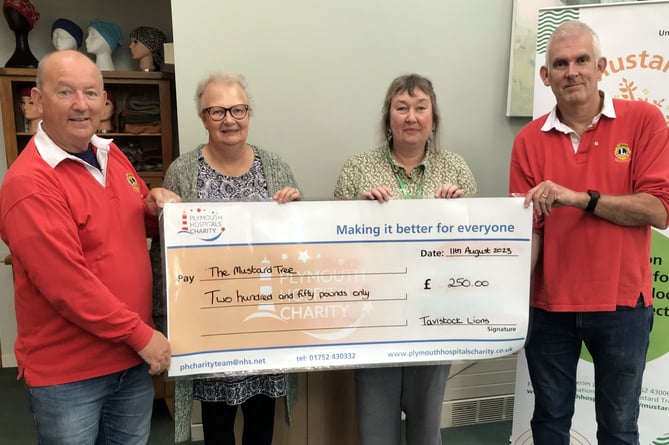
594, 199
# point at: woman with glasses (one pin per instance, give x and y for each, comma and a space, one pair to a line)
227, 168
407, 165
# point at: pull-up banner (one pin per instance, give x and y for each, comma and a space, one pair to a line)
635, 40
263, 287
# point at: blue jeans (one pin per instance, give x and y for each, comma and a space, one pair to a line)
617, 341
111, 409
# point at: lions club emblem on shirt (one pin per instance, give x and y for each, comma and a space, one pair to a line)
132, 181
622, 152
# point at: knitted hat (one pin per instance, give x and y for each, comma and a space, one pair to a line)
24, 7
25, 92
153, 39
111, 32
72, 28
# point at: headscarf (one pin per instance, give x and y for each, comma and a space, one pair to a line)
153, 39
24, 7
71, 27
111, 32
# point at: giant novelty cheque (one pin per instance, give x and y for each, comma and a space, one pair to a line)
263, 287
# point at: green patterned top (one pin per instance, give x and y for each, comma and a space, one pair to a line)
374, 168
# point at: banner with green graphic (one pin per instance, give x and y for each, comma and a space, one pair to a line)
635, 40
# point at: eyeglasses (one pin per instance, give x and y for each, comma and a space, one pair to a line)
218, 113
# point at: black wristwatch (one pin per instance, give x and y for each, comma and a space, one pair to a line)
594, 199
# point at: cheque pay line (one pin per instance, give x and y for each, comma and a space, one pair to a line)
297, 275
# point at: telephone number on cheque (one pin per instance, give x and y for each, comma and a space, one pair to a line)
334, 356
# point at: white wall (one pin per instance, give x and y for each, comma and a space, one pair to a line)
318, 73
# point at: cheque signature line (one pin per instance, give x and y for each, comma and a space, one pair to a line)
328, 328
278, 277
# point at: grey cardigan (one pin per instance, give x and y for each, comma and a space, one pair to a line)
181, 178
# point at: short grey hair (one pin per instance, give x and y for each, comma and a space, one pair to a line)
223, 78
570, 29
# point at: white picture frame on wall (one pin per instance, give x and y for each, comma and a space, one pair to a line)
523, 48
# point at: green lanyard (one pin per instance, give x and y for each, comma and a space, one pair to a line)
400, 182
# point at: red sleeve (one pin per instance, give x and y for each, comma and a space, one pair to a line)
42, 235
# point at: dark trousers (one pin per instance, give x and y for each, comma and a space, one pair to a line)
218, 421
618, 343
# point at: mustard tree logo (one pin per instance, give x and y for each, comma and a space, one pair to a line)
628, 90
662, 440
575, 438
205, 224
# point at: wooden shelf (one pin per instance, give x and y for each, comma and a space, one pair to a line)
157, 85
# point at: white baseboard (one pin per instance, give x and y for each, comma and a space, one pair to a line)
196, 432
8, 360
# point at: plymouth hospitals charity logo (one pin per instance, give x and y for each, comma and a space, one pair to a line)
206, 225
290, 313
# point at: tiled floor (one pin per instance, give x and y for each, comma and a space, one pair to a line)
16, 427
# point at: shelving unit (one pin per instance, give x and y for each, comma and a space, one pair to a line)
150, 152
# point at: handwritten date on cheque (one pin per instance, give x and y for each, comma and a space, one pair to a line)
467, 251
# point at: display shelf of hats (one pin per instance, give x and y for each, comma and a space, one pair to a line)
139, 116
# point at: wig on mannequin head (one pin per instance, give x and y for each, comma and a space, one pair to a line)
21, 17
111, 32
153, 39
25, 8
72, 28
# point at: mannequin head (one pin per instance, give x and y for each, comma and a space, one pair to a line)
21, 15
110, 107
96, 44
31, 114
107, 117
109, 33
65, 34
103, 39
146, 46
